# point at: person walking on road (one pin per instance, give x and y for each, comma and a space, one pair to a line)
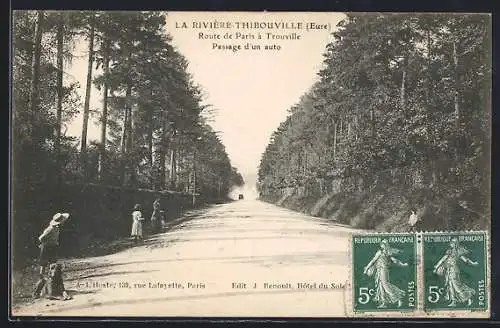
137, 223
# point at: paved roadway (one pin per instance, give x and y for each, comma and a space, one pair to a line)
200, 265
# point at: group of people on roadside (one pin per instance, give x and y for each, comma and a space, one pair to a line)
50, 282
158, 220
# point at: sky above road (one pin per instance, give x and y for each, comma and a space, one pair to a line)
250, 91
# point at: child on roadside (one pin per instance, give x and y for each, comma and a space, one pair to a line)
53, 286
137, 223
163, 216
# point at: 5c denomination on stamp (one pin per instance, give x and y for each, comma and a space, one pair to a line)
384, 272
454, 266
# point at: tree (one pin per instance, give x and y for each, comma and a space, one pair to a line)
151, 106
400, 101
35, 71
88, 86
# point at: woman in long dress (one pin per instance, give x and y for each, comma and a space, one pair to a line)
137, 219
385, 292
455, 289
155, 216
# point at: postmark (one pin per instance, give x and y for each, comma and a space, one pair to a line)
455, 271
384, 273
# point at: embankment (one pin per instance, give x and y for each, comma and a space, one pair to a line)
101, 213
384, 210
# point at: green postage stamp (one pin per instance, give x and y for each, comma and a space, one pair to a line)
420, 274
384, 272
455, 271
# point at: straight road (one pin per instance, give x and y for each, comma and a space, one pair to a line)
245, 258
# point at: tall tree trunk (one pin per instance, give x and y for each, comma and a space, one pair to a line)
162, 150
126, 138
130, 123
356, 127
60, 91
104, 116
429, 101
429, 68
88, 88
162, 168
334, 140
456, 86
340, 129
35, 66
403, 84
125, 133
150, 134
372, 121
173, 167
150, 147
173, 173
123, 140
194, 179
305, 161
456, 99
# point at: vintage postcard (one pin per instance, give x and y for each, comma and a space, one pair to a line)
250, 164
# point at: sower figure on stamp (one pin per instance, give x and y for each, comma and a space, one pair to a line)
456, 290
385, 292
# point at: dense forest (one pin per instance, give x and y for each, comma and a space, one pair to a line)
155, 138
153, 131
398, 120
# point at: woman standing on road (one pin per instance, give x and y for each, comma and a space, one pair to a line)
155, 217
137, 223
49, 247
49, 241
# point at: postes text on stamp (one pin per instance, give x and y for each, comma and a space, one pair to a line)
454, 266
384, 272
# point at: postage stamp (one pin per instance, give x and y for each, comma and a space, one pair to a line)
455, 271
384, 273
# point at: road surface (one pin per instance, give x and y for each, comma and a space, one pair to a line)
217, 264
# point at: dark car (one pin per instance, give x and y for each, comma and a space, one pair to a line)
240, 196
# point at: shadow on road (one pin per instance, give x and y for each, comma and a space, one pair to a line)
246, 293
73, 292
309, 258
106, 274
24, 279
107, 247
